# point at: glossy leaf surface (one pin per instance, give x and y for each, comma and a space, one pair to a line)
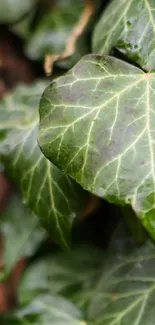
97, 124
130, 27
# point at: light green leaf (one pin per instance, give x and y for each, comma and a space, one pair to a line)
45, 310
22, 233
69, 274
97, 124
48, 192
11, 11
128, 26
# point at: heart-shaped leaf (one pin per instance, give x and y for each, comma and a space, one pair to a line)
97, 124
45, 310
21, 232
11, 11
130, 27
48, 192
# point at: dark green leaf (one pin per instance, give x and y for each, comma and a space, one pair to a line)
64, 32
136, 228
21, 232
45, 310
53, 29
97, 124
69, 273
123, 291
11, 11
130, 27
49, 193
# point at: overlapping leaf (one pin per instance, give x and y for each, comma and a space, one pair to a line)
70, 274
125, 292
45, 310
51, 33
120, 291
49, 193
22, 233
97, 124
123, 287
11, 11
130, 27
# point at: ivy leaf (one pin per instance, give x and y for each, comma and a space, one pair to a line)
123, 286
138, 232
124, 292
53, 29
63, 35
48, 192
132, 32
11, 11
21, 232
56, 274
97, 124
45, 310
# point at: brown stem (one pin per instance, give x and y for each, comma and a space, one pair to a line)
72, 39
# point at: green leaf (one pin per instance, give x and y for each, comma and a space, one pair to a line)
23, 27
45, 310
11, 11
21, 232
63, 33
128, 26
68, 274
125, 291
51, 32
97, 124
48, 192
136, 228
122, 291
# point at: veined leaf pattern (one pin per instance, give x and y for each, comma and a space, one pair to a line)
124, 293
45, 310
97, 124
56, 275
130, 27
121, 291
49, 193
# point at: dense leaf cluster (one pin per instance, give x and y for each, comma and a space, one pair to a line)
91, 130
